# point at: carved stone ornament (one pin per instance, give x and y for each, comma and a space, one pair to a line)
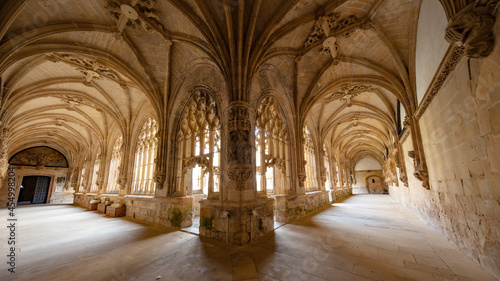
349, 92
60, 121
270, 119
422, 176
302, 178
328, 24
404, 179
239, 145
411, 154
72, 102
90, 68
331, 47
200, 112
240, 175
99, 182
159, 178
472, 28
406, 122
122, 182
324, 175
193, 161
139, 15
451, 61
74, 176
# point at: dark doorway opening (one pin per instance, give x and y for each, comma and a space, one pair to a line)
34, 190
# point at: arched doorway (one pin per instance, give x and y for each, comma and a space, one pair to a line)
34, 190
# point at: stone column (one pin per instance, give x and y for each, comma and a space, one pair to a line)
240, 216
4, 161
160, 173
301, 173
239, 157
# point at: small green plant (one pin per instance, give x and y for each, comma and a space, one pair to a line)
176, 217
206, 222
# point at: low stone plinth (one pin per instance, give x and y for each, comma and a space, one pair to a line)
172, 212
101, 208
92, 206
116, 212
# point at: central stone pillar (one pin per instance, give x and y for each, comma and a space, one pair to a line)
239, 215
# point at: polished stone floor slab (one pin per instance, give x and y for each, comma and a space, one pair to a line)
366, 237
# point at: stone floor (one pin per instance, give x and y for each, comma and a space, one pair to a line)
366, 237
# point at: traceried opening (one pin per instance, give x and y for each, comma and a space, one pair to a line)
144, 159
271, 142
328, 183
114, 166
198, 146
311, 182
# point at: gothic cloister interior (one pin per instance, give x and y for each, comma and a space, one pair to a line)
243, 121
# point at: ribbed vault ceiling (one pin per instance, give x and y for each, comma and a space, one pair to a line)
73, 80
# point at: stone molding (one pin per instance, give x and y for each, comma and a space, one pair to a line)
451, 60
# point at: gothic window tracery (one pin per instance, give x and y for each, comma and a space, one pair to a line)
311, 182
271, 142
114, 165
144, 159
328, 183
94, 187
199, 146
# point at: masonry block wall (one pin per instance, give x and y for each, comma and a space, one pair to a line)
461, 138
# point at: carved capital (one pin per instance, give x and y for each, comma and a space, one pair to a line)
472, 28
422, 176
240, 175
159, 178
302, 178
122, 182
411, 154
404, 179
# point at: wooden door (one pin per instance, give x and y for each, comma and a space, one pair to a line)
41, 190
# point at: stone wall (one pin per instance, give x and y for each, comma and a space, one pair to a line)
58, 192
196, 203
342, 193
461, 138
292, 207
172, 212
361, 185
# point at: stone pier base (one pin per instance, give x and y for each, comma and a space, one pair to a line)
237, 223
168, 211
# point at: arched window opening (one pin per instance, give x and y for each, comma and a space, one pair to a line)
328, 183
114, 166
311, 182
198, 146
144, 159
94, 188
271, 142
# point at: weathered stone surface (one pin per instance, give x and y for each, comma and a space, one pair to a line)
236, 223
